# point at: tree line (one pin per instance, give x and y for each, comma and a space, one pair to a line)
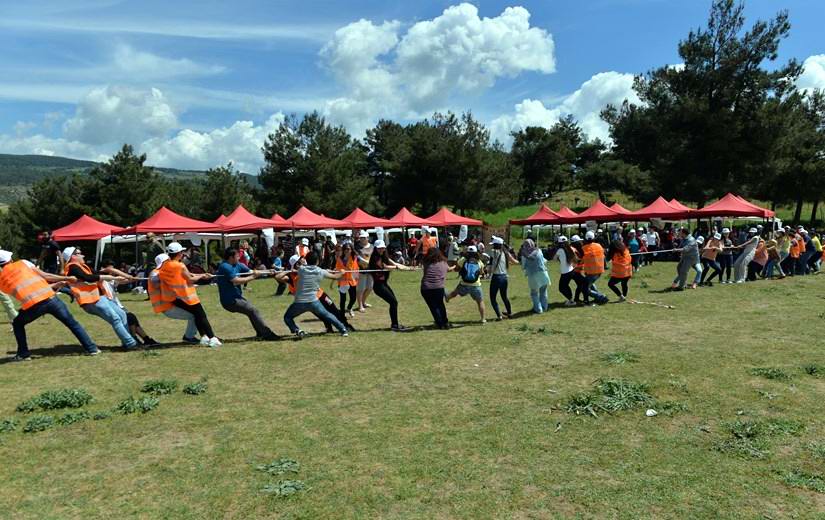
729, 118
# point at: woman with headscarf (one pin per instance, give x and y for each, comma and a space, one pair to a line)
532, 263
740, 267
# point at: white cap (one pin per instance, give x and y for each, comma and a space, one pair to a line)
589, 235
472, 249
379, 244
160, 259
725, 230
562, 239
173, 248
68, 252
5, 256
633, 231
759, 226
599, 230
425, 229
363, 234
641, 230
780, 230
717, 236
700, 240
752, 230
575, 238
803, 231
294, 259
497, 241
305, 241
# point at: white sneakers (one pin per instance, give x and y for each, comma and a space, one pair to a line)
204, 341
210, 342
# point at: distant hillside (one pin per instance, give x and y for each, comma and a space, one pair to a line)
18, 172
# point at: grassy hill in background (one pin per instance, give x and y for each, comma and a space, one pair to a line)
19, 172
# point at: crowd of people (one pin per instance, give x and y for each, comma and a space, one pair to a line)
361, 267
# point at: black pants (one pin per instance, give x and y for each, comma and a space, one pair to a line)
242, 306
498, 284
329, 305
201, 321
435, 301
564, 285
612, 285
281, 289
707, 265
754, 269
581, 285
352, 292
384, 291
726, 264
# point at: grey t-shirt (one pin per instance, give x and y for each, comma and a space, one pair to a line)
309, 281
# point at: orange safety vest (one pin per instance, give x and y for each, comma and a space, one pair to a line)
174, 285
302, 250
801, 240
155, 290
621, 265
794, 248
348, 278
427, 243
85, 293
23, 282
593, 261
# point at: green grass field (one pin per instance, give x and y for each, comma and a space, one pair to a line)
468, 423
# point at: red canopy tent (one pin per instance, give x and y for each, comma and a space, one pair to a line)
566, 213
306, 219
543, 215
85, 228
598, 212
220, 219
766, 212
360, 219
621, 210
281, 222
732, 206
660, 208
167, 221
445, 217
678, 205
406, 218
242, 220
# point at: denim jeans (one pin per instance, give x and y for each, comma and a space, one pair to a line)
698, 277
498, 284
591, 291
56, 308
539, 297
109, 312
176, 313
296, 309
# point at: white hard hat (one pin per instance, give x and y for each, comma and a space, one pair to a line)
589, 235
725, 230
632, 231
752, 230
160, 259
68, 252
497, 241
379, 244
173, 248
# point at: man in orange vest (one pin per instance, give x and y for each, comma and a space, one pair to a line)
31, 287
593, 266
87, 294
303, 248
153, 287
427, 241
177, 288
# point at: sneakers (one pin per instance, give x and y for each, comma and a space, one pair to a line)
345, 334
399, 328
95, 352
569, 303
149, 342
204, 341
483, 322
350, 313
215, 342
270, 336
299, 334
21, 358
189, 340
621, 299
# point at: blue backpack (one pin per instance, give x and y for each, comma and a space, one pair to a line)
470, 271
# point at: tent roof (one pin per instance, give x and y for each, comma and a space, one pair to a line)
660, 208
621, 210
360, 219
766, 212
732, 206
242, 220
565, 212
678, 205
85, 228
167, 221
543, 215
281, 221
599, 213
304, 218
445, 217
405, 218
220, 219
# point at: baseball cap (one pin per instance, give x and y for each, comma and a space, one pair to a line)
562, 239
717, 236
633, 231
497, 241
752, 230
363, 234
575, 238
379, 244
294, 259
173, 248
68, 252
472, 249
160, 259
305, 241
589, 235
700, 240
725, 230
5, 256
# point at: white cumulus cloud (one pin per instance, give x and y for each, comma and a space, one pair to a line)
585, 104
813, 77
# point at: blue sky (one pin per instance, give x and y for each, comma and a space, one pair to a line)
199, 83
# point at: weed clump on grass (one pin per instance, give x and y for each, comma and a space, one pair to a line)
285, 488
749, 438
620, 358
621, 394
817, 449
809, 481
73, 417
196, 388
56, 400
583, 404
39, 423
670, 407
131, 405
159, 386
280, 467
767, 395
8, 425
770, 373
814, 370
99, 416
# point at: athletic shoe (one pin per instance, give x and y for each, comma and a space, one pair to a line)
299, 334
149, 342
367, 305
399, 328
350, 313
483, 322
215, 342
708, 284
189, 340
345, 334
569, 303
271, 336
621, 299
204, 341
95, 352
21, 358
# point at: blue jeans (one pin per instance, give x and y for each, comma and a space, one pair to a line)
109, 311
296, 309
176, 313
591, 291
56, 308
498, 284
539, 297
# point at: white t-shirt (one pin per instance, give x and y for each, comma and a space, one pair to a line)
561, 256
653, 239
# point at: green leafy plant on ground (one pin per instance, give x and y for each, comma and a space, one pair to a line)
612, 395
282, 488
159, 386
817, 450
38, 423
8, 425
99, 416
814, 370
73, 417
620, 358
131, 405
749, 438
285, 488
770, 373
801, 479
196, 388
280, 467
56, 400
